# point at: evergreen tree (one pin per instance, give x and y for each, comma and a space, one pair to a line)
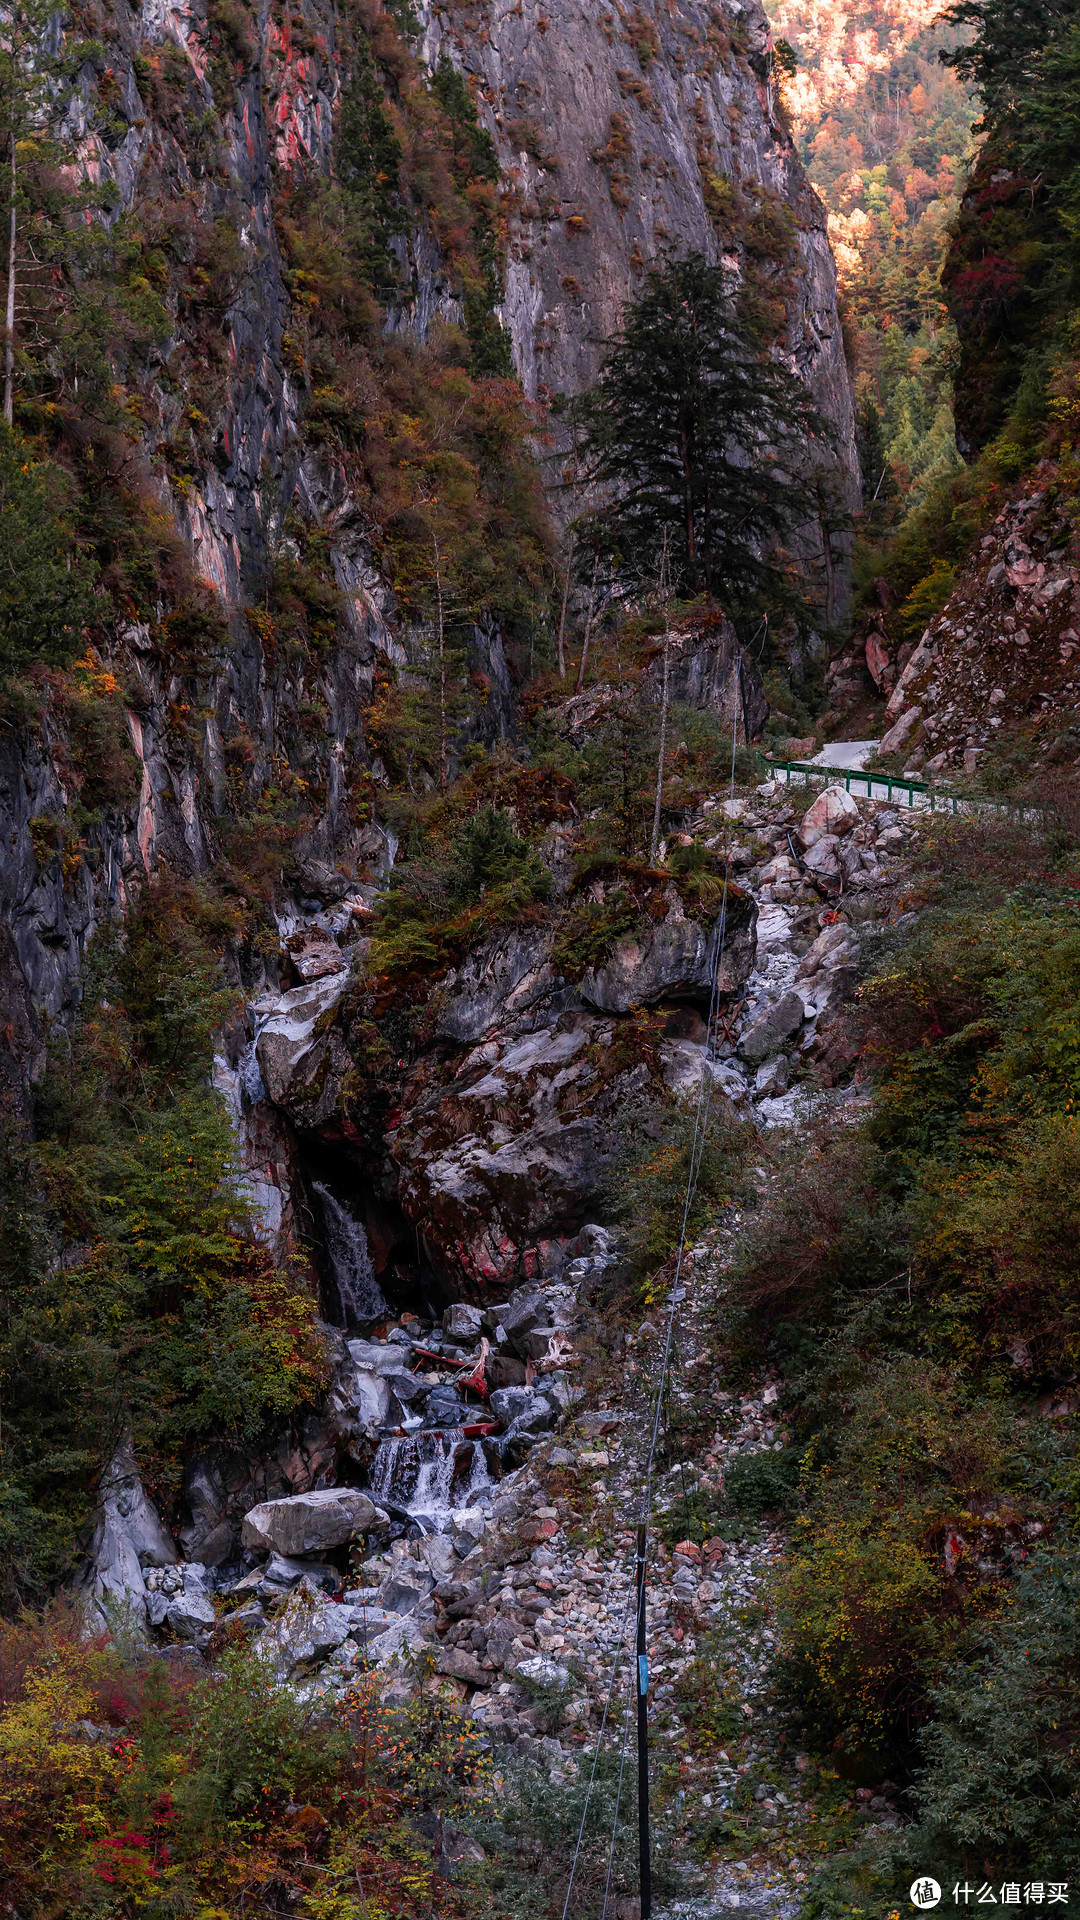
1001, 58
699, 438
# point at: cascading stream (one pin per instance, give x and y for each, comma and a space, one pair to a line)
430, 1476
359, 1292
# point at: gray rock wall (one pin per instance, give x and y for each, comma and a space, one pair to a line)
689, 85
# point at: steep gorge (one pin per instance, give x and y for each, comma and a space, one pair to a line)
337, 296
256, 488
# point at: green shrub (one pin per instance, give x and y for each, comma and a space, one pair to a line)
646, 1189
47, 585
1002, 1781
488, 855
253, 1740
707, 1695
759, 1483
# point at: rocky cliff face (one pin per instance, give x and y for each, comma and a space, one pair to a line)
209, 130
622, 132
993, 678
251, 470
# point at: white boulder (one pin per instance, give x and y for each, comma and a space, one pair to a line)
833, 812
290, 1028
309, 1522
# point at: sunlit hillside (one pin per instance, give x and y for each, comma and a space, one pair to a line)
885, 131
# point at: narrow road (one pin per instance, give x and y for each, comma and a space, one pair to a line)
850, 757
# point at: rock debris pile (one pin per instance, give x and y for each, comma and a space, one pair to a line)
1001, 659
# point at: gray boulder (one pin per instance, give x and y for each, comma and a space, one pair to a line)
445, 1408
458, 1664
305, 1633
403, 1590
507, 1402
543, 1671
281, 1575
190, 1614
823, 860
769, 1032
309, 1522
524, 1310
406, 1389
524, 1410
676, 959
371, 1397
436, 1552
464, 1323
505, 1370
833, 947
129, 1537
284, 1644
374, 1356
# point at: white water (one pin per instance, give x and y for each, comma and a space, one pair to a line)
417, 1473
360, 1294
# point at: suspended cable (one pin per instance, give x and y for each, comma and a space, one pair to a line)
618, 1792
639, 1677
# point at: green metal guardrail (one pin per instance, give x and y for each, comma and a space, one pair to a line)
936, 800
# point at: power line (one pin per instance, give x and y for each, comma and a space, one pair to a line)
637, 1587
618, 1794
697, 1151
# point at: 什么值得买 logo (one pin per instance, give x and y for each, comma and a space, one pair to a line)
925, 1892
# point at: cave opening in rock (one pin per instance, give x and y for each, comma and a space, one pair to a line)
369, 1256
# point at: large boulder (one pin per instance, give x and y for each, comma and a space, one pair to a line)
823, 858
314, 954
129, 1538
280, 1575
306, 1632
772, 1028
676, 959
833, 812
464, 1323
524, 1410
309, 1522
525, 1309
288, 1046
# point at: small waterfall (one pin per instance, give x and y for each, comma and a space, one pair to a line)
429, 1474
359, 1292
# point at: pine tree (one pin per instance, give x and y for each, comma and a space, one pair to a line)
1001, 57
698, 436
